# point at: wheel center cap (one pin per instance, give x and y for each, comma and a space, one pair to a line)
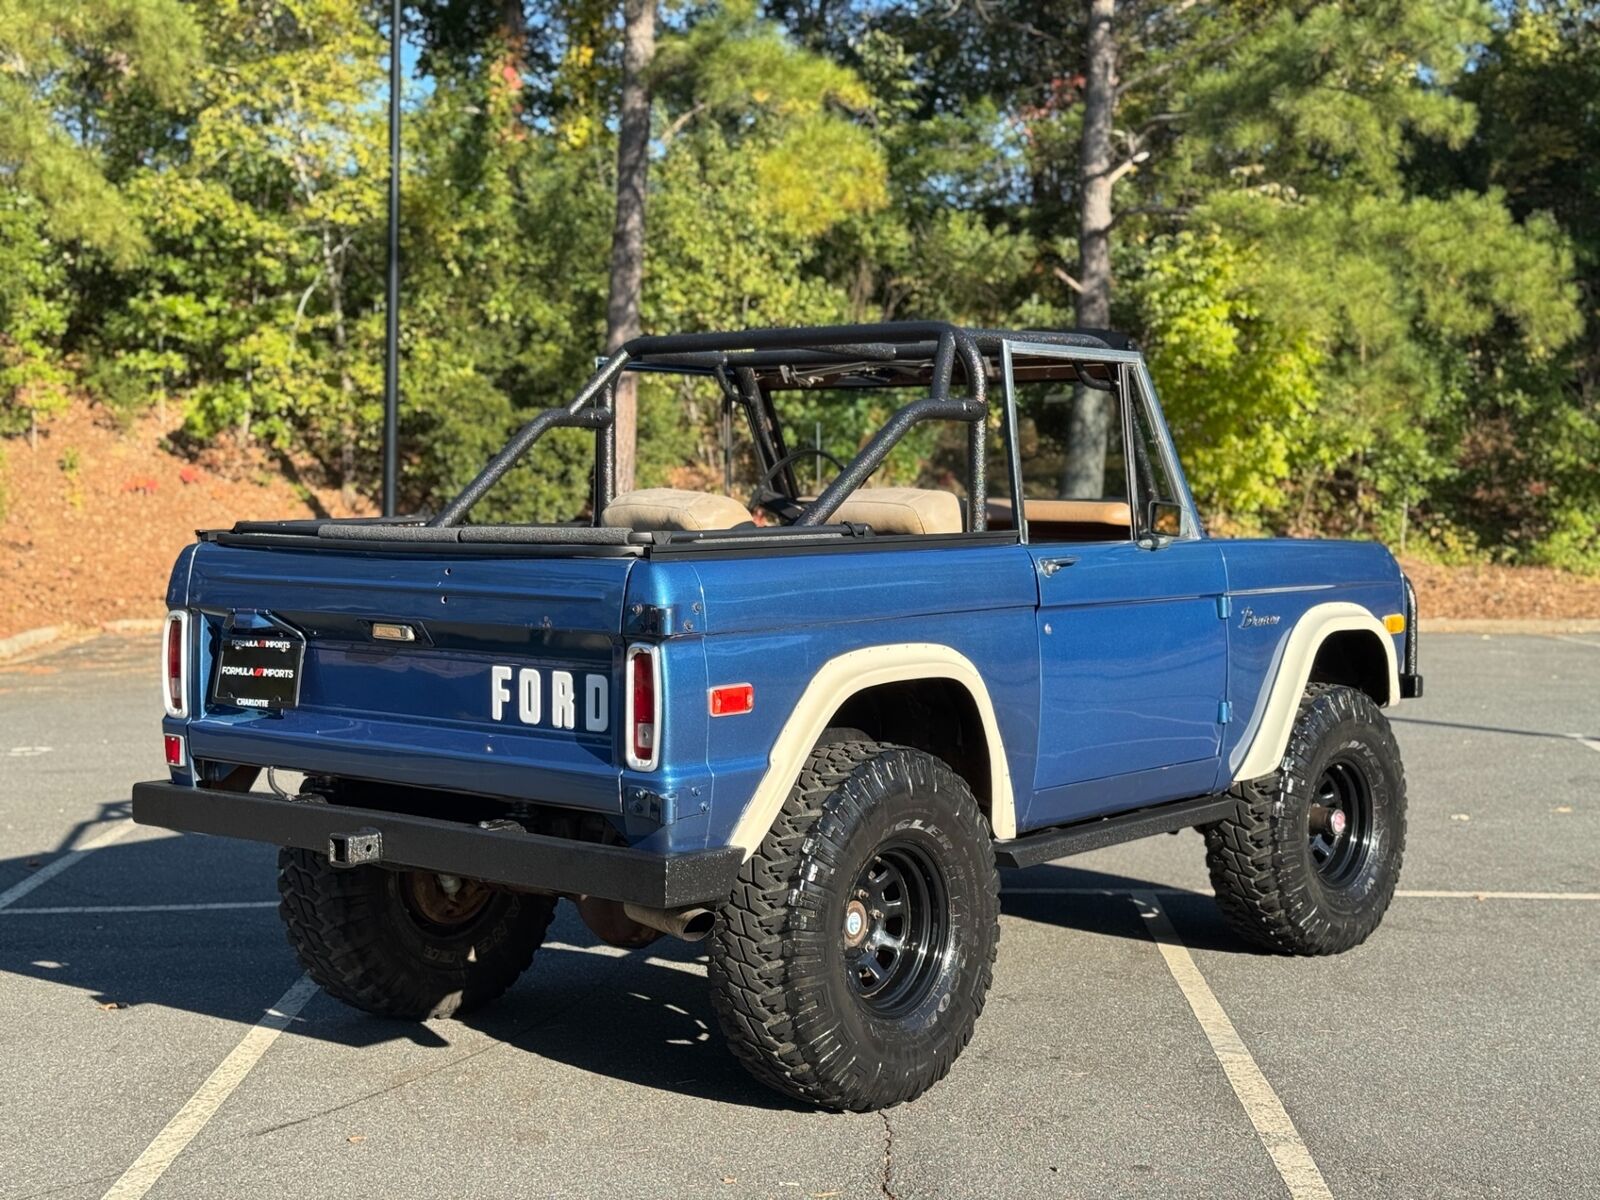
855, 923
1337, 822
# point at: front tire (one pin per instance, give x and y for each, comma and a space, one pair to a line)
852, 961
400, 943
1310, 859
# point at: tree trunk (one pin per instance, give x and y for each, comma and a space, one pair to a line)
1089, 423
333, 267
627, 238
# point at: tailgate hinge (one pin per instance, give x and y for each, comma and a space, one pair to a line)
647, 620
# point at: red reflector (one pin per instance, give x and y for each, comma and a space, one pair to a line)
732, 699
175, 755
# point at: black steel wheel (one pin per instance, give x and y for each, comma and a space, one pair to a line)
1310, 859
850, 965
896, 928
1339, 821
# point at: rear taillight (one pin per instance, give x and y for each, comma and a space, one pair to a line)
175, 664
642, 724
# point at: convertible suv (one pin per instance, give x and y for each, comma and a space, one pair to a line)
801, 715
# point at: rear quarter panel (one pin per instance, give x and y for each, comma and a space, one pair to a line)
774, 620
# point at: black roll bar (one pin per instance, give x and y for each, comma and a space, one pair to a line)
816, 344
937, 406
575, 415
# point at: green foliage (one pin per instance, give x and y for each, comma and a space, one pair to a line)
1360, 242
35, 306
1240, 390
67, 66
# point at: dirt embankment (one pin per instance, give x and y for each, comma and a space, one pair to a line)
93, 517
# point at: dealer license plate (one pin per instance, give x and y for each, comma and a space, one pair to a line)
259, 669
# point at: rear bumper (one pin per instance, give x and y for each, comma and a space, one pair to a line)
512, 857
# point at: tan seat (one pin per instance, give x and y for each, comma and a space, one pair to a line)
1077, 512
654, 510
901, 510
1066, 520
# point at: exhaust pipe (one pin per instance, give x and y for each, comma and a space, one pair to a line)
690, 924
632, 926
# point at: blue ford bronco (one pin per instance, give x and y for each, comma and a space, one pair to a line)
800, 716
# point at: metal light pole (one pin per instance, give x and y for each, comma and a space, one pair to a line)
391, 348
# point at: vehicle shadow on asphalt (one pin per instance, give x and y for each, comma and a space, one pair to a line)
643, 1018
1099, 904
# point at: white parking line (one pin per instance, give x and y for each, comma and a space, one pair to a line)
203, 1105
1576, 641
1433, 895
48, 872
72, 910
1582, 740
1266, 1112
1402, 894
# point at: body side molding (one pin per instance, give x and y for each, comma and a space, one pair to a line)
835, 682
1274, 716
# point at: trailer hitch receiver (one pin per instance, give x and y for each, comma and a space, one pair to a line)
355, 849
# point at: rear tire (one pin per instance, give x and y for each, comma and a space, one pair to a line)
395, 943
1310, 859
850, 965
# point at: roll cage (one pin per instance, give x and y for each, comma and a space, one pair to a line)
750, 366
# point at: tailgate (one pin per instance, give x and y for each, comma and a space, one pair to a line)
508, 688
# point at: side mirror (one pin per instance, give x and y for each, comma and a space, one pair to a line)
1164, 517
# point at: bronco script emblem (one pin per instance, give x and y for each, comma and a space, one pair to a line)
1250, 619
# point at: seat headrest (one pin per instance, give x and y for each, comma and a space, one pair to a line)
901, 510
654, 510
1080, 512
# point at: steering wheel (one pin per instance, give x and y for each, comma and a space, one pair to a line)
784, 507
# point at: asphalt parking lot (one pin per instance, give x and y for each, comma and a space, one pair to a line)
1130, 1045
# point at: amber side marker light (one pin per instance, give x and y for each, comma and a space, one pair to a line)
1395, 622
732, 699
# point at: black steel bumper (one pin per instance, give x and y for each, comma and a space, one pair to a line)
358, 836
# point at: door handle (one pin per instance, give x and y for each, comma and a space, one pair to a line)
1051, 565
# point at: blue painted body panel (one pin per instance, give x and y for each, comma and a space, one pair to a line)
773, 622
1133, 666
420, 714
1108, 677
1285, 577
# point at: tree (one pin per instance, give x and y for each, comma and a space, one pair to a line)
67, 67
65, 64
1089, 423
627, 241
255, 299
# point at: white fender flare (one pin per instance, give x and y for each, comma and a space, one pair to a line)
835, 682
1275, 711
